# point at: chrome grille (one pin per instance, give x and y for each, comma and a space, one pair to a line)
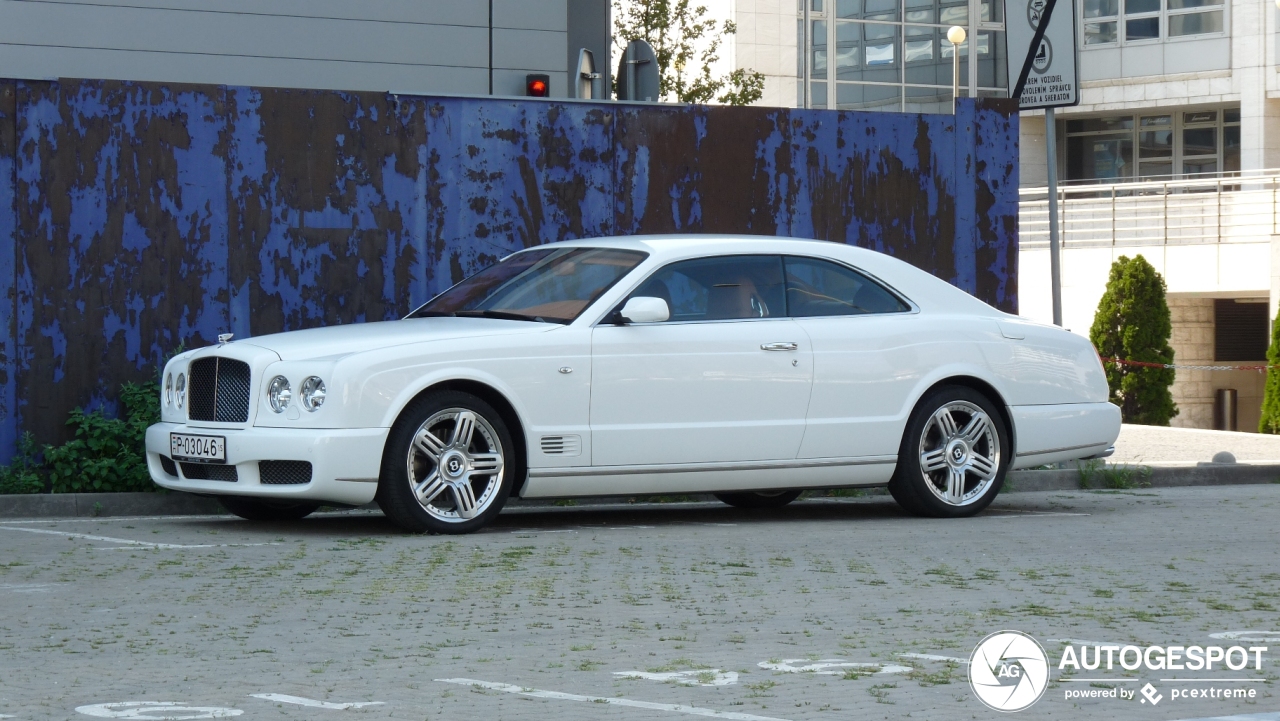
218, 390
209, 472
284, 473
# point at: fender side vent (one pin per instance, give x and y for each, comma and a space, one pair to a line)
561, 445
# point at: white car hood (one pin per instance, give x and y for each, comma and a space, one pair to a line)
339, 340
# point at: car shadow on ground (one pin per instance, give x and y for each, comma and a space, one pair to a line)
620, 516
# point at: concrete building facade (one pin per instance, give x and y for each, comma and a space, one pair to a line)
1171, 154
459, 47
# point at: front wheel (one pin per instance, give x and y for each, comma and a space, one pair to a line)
759, 499
253, 509
954, 455
448, 465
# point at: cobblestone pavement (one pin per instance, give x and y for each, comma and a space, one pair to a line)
811, 612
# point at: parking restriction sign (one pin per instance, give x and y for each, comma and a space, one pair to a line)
1042, 63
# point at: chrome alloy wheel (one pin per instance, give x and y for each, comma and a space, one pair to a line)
455, 465
959, 453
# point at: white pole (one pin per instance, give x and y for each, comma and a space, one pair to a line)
956, 35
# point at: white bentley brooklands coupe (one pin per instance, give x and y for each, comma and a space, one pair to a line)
748, 367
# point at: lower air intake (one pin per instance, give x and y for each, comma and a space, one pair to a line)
169, 466
209, 472
284, 473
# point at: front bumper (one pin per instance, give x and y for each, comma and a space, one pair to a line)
345, 463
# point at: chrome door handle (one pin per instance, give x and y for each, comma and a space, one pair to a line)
779, 346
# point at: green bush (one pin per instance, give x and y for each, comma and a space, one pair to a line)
1132, 323
107, 454
1270, 422
23, 475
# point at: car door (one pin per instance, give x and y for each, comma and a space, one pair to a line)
866, 357
726, 378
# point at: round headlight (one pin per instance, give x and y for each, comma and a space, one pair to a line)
312, 392
168, 389
180, 389
278, 394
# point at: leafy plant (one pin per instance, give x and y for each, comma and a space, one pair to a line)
22, 475
1270, 421
1118, 477
1133, 323
687, 44
107, 454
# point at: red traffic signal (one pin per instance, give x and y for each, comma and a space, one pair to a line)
537, 85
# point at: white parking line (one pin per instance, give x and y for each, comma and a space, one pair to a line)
1271, 716
112, 519
934, 657
559, 696
831, 666
1025, 514
312, 703
25, 587
702, 677
127, 541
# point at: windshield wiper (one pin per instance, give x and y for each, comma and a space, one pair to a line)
502, 315
433, 314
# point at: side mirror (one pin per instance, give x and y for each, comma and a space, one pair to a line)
645, 310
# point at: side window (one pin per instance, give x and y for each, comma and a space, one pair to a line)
820, 288
722, 288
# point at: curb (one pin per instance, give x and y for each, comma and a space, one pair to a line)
89, 505
82, 505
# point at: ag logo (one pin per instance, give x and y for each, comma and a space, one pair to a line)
1008, 671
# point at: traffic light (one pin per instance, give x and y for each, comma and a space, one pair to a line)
537, 85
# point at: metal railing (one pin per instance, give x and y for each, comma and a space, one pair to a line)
1242, 207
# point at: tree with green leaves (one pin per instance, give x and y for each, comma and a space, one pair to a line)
1270, 422
687, 44
1132, 323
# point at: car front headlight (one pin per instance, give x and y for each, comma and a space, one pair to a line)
279, 394
168, 389
180, 389
312, 392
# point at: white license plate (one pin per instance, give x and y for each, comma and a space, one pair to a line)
183, 447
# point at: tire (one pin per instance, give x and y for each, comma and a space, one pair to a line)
954, 455
253, 509
434, 481
759, 499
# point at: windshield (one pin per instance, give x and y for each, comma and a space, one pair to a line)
544, 285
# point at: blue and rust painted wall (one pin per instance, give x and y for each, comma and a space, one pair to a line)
137, 216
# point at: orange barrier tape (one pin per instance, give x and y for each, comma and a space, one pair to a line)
1176, 366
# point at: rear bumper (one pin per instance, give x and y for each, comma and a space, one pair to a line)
344, 462
1066, 432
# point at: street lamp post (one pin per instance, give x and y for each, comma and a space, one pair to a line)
956, 35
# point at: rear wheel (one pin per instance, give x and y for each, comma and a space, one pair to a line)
954, 455
448, 465
255, 509
759, 499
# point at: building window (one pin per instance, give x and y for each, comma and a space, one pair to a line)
1154, 146
1141, 21
893, 54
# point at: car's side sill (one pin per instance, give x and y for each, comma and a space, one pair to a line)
705, 477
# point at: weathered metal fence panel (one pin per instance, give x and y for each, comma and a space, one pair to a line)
138, 216
8, 279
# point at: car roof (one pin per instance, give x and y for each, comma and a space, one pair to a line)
921, 287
